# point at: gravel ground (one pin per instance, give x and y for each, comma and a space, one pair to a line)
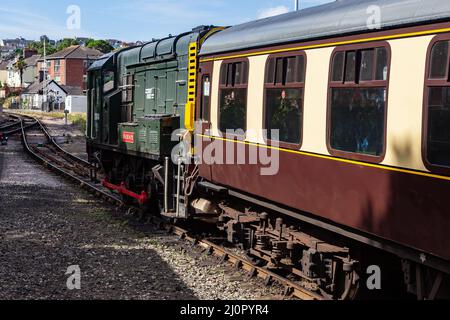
47, 225
69, 137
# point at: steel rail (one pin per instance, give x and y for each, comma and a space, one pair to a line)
82, 182
292, 289
10, 125
52, 140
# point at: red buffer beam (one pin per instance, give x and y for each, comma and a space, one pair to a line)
141, 198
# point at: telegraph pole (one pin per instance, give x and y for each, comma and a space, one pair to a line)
45, 73
297, 5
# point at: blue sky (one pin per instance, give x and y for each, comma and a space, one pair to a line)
131, 20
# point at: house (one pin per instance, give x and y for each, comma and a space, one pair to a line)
3, 72
116, 44
49, 95
27, 52
7, 51
13, 80
3, 78
46, 95
82, 41
68, 67
19, 43
31, 71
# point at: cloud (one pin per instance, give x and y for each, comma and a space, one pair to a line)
15, 23
270, 12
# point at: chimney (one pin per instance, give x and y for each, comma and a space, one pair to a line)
29, 52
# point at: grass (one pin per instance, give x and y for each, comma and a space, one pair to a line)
77, 119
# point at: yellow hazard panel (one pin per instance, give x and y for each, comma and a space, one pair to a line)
189, 118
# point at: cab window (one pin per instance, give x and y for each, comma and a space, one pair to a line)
108, 81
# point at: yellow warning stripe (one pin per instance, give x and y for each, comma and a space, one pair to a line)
189, 117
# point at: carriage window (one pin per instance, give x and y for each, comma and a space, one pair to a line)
233, 96
366, 69
338, 66
284, 98
439, 60
350, 66
358, 103
438, 106
382, 64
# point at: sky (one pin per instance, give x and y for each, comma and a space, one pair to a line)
130, 20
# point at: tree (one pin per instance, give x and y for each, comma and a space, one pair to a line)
39, 46
65, 43
100, 45
20, 66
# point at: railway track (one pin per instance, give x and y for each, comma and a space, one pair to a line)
39, 144
14, 125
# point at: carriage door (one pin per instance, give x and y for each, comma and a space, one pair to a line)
203, 112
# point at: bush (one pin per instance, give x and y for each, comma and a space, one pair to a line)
78, 120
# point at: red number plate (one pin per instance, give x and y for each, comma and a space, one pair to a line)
128, 137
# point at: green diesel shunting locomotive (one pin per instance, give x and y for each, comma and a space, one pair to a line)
137, 98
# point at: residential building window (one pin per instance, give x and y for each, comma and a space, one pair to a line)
437, 105
233, 95
358, 101
57, 66
284, 87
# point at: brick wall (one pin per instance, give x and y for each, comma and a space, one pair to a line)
71, 72
75, 70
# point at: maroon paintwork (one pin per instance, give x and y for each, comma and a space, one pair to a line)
409, 209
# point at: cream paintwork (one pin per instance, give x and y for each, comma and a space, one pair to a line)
215, 99
255, 100
405, 103
315, 105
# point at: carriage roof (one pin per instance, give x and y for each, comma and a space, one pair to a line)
342, 17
